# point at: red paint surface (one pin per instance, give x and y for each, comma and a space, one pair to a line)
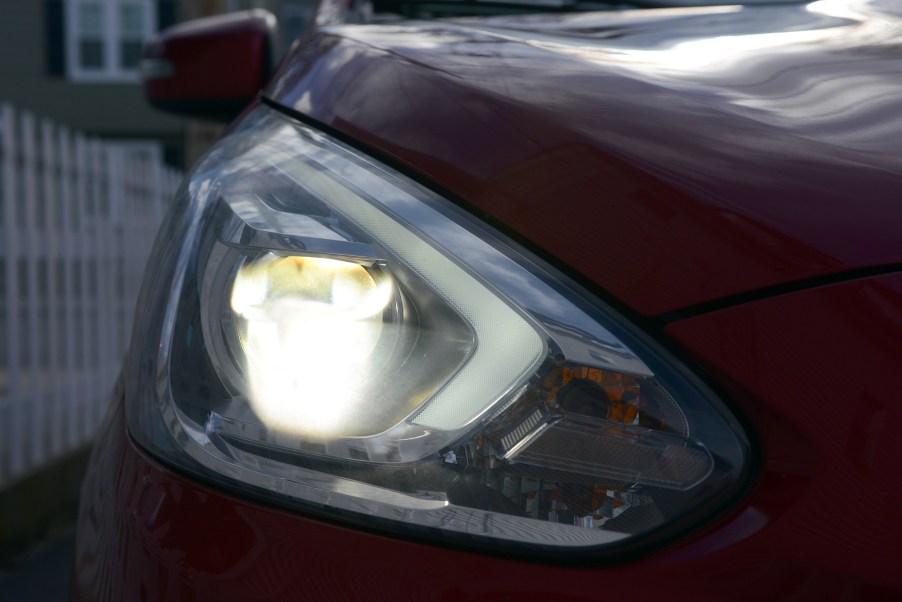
223, 58
668, 183
816, 371
667, 189
819, 370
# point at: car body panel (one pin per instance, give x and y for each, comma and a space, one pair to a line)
669, 189
818, 370
671, 157
815, 528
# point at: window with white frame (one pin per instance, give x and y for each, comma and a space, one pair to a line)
104, 38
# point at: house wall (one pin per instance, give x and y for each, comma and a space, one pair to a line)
107, 110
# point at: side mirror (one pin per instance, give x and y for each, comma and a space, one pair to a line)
210, 68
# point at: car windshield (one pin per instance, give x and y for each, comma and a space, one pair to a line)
448, 8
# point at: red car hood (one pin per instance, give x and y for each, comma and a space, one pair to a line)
672, 157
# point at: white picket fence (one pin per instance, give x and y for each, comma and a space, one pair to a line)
77, 218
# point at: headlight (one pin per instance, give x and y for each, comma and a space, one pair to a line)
334, 336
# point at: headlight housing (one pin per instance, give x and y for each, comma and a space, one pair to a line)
327, 333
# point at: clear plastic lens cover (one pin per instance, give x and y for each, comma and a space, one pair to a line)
329, 333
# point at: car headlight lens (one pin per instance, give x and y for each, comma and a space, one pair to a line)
332, 335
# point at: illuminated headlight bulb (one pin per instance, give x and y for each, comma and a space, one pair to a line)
416, 372
309, 326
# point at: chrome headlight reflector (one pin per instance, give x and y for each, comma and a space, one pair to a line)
334, 335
